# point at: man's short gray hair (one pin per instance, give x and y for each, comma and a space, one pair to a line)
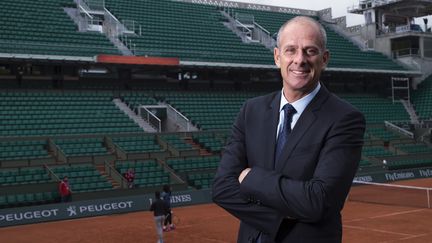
304, 18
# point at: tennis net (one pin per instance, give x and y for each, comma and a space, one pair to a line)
390, 194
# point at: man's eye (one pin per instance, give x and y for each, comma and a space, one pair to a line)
312, 52
290, 51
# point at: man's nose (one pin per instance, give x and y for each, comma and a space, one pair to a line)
300, 57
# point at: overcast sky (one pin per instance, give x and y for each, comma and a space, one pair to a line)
339, 7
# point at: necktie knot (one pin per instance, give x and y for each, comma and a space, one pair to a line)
289, 110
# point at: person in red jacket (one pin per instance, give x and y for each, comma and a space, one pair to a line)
65, 190
130, 177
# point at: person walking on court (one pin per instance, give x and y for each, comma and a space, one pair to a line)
159, 209
166, 196
292, 155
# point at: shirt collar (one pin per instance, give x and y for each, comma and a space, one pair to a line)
300, 105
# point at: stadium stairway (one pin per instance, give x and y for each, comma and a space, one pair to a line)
112, 27
178, 146
212, 142
411, 111
202, 151
101, 169
138, 120
422, 99
256, 33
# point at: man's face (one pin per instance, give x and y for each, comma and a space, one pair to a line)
301, 57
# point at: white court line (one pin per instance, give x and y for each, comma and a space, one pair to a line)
397, 213
377, 230
405, 238
198, 236
208, 239
414, 236
385, 215
355, 220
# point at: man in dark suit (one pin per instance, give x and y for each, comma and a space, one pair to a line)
285, 173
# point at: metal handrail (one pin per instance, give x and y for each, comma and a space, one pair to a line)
262, 28
181, 116
117, 176
85, 11
150, 114
399, 129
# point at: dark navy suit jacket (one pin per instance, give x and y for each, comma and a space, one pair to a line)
300, 199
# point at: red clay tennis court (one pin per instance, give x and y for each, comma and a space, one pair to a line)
363, 222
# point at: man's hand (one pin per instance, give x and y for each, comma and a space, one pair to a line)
243, 174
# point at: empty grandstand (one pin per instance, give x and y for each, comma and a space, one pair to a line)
91, 88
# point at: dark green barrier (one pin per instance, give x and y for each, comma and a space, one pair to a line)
114, 205
390, 176
91, 208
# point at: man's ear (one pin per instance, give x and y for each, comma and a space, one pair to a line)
276, 56
326, 58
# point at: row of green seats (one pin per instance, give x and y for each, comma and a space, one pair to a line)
26, 199
151, 181
92, 187
414, 148
409, 163
24, 179
136, 164
376, 151
193, 163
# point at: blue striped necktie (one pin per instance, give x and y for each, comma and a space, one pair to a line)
289, 111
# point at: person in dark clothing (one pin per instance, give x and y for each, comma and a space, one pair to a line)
166, 196
159, 209
292, 155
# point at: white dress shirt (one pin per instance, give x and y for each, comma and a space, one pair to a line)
299, 105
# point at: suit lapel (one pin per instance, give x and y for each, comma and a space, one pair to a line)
271, 119
307, 118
